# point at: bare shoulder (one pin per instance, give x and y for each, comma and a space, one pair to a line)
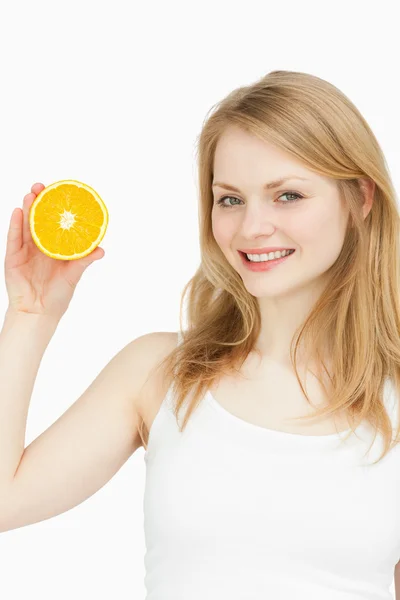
149, 352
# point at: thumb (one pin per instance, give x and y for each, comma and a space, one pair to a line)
97, 254
75, 268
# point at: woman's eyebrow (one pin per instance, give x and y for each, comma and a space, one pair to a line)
267, 186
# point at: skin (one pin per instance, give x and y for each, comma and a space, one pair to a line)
314, 226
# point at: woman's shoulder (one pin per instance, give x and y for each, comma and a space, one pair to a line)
155, 347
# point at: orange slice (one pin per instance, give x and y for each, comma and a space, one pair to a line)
68, 220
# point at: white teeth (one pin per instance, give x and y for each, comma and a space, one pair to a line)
269, 256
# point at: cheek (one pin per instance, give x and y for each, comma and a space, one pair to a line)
321, 237
332, 227
326, 228
222, 230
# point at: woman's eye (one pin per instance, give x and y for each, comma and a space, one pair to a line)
221, 200
298, 197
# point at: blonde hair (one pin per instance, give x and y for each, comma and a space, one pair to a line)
358, 315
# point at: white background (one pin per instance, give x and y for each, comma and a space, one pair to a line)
114, 95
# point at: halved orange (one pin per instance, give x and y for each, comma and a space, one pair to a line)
68, 220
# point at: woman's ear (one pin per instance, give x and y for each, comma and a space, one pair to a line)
367, 187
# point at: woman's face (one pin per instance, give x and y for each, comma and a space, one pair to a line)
256, 217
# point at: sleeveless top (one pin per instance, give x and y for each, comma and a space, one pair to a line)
235, 511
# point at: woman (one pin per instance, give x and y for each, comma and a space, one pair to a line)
253, 495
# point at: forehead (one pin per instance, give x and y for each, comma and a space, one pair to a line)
236, 144
242, 156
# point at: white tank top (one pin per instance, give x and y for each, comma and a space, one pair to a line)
235, 511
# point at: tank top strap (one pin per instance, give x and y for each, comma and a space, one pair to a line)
168, 400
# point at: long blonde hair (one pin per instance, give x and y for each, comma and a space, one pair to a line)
358, 315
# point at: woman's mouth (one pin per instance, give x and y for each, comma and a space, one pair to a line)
264, 265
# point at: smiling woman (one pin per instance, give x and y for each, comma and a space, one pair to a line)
255, 484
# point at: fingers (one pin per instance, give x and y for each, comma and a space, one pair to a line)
14, 237
37, 188
19, 230
27, 203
